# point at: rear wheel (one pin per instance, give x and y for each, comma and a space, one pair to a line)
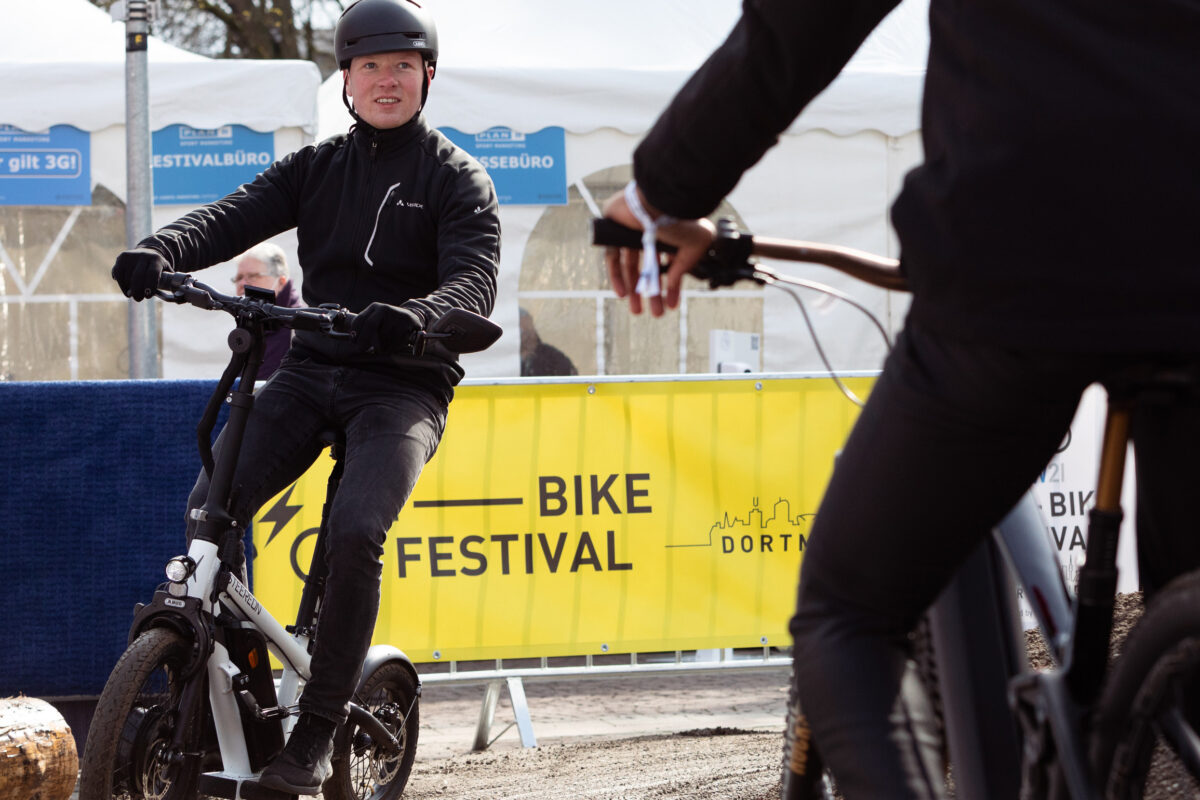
1145, 732
362, 768
127, 755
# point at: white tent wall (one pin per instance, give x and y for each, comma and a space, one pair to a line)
834, 188
62, 62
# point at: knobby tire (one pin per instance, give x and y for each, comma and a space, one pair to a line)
804, 774
124, 757
1153, 680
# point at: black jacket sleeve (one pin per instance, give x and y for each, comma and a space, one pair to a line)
778, 57
468, 245
223, 229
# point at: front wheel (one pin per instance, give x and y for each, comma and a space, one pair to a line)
128, 755
804, 774
362, 769
1145, 732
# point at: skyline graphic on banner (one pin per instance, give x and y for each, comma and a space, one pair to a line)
781, 522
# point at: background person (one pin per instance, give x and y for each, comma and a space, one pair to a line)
1049, 238
265, 266
537, 356
395, 222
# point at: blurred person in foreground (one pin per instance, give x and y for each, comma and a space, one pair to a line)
1049, 238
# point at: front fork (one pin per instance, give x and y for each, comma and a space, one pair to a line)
227, 718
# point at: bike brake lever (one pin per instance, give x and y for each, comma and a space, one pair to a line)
168, 297
340, 320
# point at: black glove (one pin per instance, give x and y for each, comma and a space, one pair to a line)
380, 328
137, 272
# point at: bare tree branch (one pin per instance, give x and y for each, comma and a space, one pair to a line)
250, 28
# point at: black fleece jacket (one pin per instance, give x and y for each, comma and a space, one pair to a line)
399, 216
1057, 205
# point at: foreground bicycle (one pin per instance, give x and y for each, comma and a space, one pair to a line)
192, 708
1082, 730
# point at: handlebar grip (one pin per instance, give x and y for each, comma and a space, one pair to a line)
610, 233
170, 284
173, 280
724, 265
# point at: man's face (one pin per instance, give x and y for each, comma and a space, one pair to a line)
386, 87
254, 272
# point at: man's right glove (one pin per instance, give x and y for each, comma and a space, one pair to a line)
380, 328
137, 272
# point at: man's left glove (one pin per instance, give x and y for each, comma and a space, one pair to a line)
380, 328
137, 272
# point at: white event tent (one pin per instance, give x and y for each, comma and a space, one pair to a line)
603, 72
62, 62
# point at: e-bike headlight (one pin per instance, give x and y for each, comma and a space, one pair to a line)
179, 569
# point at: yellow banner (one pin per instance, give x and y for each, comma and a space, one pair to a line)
602, 517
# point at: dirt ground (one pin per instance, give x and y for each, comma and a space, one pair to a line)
652, 736
643, 737
632, 738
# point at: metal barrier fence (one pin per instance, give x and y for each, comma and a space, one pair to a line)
497, 675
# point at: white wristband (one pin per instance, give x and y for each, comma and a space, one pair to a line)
648, 283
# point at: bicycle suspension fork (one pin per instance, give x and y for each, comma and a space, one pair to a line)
1098, 576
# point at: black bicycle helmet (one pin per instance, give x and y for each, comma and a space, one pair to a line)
384, 26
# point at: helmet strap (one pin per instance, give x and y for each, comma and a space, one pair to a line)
350, 106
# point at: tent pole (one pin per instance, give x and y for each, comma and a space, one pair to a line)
145, 361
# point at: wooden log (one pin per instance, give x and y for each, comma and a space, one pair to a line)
37, 751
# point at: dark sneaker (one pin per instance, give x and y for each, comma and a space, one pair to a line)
304, 763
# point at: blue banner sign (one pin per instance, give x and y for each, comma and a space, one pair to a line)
527, 168
49, 168
199, 165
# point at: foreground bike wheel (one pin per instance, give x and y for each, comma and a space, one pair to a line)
1145, 732
804, 774
126, 756
362, 770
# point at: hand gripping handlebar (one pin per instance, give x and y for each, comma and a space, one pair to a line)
457, 331
729, 259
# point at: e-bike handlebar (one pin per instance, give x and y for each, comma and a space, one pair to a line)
457, 331
182, 287
729, 258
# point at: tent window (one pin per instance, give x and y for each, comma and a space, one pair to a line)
61, 315
570, 319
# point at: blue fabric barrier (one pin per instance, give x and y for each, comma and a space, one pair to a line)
93, 483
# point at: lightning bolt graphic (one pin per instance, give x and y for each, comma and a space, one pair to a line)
280, 514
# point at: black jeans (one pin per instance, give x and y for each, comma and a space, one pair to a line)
392, 429
951, 437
